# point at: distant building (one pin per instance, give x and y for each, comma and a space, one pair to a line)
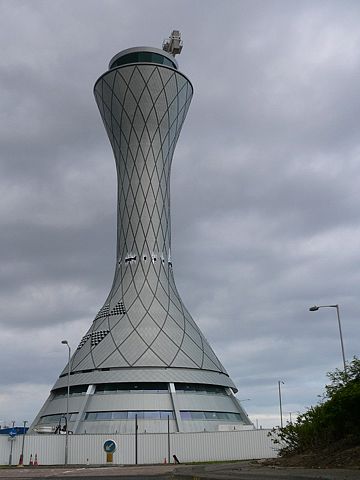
143, 355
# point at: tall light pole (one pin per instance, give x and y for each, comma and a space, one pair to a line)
168, 437
298, 414
23, 443
136, 438
280, 403
315, 308
290, 413
12, 439
65, 342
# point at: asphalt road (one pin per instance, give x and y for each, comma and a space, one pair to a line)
240, 470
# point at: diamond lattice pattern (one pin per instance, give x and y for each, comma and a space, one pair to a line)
143, 107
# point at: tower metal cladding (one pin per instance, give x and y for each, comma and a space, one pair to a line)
143, 356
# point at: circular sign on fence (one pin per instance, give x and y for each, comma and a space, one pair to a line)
110, 446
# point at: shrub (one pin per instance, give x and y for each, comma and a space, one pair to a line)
336, 418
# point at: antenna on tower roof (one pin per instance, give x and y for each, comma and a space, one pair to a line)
173, 44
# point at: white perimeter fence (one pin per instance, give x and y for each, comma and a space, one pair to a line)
151, 447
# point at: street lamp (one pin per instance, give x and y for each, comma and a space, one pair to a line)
280, 404
65, 342
290, 413
23, 442
12, 438
315, 308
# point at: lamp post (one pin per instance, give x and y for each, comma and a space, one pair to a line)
290, 413
168, 437
136, 438
12, 438
298, 414
280, 403
65, 342
315, 308
23, 442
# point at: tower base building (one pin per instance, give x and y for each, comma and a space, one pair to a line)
143, 357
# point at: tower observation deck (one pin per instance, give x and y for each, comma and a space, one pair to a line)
143, 354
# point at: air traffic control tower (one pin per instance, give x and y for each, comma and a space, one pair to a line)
143, 355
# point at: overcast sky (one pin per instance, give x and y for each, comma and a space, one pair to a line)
265, 187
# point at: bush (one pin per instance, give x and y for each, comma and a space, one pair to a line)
336, 418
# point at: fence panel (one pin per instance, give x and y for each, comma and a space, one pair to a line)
212, 446
152, 447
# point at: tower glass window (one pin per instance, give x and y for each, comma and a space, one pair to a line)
139, 57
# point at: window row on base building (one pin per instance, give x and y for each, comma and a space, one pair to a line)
144, 415
113, 407
113, 388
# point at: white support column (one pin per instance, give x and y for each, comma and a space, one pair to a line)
90, 391
175, 407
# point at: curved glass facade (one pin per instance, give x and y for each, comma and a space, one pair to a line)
112, 388
200, 415
140, 57
130, 415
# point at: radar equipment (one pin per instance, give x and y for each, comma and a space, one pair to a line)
173, 44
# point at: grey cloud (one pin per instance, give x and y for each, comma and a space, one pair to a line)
264, 186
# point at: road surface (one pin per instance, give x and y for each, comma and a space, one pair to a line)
225, 471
